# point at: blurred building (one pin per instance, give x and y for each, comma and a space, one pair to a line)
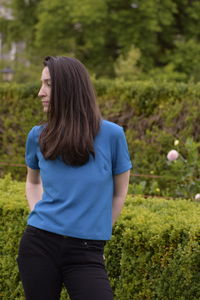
8, 54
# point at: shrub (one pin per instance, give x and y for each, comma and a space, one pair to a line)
19, 109
160, 250
153, 254
154, 115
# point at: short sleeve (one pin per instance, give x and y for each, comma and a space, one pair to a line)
120, 157
31, 150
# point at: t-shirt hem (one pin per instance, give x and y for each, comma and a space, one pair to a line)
74, 235
122, 170
32, 166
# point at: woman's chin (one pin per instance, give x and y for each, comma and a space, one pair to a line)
45, 108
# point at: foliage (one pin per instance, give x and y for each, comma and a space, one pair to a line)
21, 27
158, 250
153, 114
183, 173
179, 178
126, 67
165, 32
19, 106
153, 254
181, 58
53, 29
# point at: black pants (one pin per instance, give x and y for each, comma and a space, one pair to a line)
46, 261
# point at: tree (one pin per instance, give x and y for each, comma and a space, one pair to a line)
98, 32
24, 20
126, 67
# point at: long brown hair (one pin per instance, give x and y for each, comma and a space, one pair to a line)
73, 117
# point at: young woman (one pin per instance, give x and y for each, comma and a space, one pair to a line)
78, 173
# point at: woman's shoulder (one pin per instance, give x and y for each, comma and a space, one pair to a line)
35, 131
111, 128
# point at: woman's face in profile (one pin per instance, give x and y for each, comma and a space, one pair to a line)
45, 90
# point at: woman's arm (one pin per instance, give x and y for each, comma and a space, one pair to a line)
121, 182
34, 188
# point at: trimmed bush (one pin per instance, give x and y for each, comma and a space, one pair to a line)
154, 253
154, 115
19, 110
160, 254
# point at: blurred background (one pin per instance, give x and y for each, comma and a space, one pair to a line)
144, 60
134, 39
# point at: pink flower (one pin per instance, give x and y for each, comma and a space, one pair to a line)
172, 155
197, 197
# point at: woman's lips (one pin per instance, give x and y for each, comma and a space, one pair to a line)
45, 102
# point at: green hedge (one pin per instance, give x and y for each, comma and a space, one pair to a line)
154, 253
19, 110
154, 115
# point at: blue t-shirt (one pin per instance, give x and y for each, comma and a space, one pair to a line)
77, 201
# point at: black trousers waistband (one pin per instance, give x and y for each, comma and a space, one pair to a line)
33, 229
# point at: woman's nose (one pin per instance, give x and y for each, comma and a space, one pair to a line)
41, 92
